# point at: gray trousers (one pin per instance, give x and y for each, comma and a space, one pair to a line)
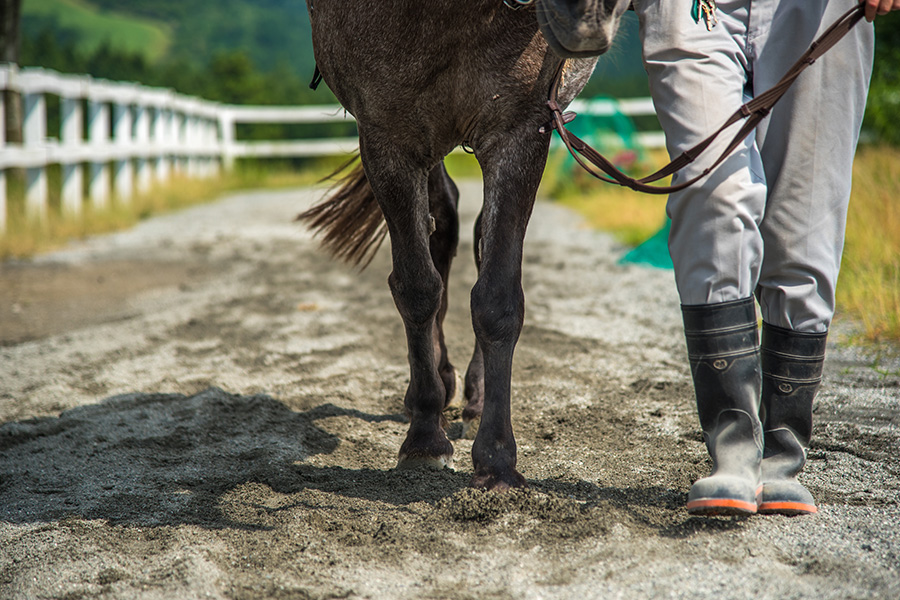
770, 219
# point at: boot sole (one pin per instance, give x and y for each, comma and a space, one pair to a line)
721, 506
787, 508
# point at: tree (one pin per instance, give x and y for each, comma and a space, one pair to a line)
884, 95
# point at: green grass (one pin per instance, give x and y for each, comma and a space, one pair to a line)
146, 37
869, 286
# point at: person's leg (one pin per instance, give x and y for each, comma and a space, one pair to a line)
698, 79
792, 364
807, 147
723, 349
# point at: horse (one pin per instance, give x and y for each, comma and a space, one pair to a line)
422, 78
579, 28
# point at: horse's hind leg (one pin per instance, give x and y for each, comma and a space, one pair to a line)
443, 197
474, 382
401, 188
512, 169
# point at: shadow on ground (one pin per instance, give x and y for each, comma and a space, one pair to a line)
161, 459
170, 459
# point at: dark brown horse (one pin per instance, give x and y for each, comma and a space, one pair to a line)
579, 28
422, 77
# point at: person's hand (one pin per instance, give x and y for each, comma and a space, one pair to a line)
879, 7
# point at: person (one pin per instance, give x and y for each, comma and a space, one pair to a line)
767, 225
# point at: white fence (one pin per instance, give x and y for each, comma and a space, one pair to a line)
117, 138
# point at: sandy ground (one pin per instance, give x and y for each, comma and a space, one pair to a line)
207, 407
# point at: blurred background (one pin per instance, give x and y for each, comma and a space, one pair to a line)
258, 52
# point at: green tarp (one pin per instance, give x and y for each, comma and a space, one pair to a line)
653, 252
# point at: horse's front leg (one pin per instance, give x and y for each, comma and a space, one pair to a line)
401, 188
512, 167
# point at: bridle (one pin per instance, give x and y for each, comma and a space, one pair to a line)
753, 112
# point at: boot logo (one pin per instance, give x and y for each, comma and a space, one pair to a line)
720, 364
785, 388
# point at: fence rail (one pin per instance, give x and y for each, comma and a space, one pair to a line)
119, 138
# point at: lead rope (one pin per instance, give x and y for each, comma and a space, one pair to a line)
753, 111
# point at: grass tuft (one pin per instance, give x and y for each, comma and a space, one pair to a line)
869, 287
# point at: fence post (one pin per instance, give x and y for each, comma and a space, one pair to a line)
190, 142
34, 134
142, 137
215, 132
199, 136
3, 202
227, 127
210, 146
179, 138
98, 128
206, 145
123, 170
162, 138
72, 134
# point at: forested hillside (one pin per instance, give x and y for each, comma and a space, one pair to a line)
241, 51
87, 28
271, 33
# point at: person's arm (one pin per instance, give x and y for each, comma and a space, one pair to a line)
879, 7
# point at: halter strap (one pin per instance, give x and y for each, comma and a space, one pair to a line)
753, 112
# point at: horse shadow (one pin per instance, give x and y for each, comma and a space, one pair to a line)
155, 460
170, 459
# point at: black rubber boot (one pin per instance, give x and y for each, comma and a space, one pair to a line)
791, 372
723, 348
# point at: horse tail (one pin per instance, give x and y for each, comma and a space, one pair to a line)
348, 218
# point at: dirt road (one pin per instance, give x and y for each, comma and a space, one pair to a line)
206, 407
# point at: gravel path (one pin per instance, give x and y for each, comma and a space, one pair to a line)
207, 407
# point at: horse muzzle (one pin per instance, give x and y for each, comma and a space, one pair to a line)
579, 28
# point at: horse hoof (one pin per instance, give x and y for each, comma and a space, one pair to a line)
436, 463
425, 446
503, 482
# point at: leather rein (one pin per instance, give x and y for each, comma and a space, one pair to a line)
753, 111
